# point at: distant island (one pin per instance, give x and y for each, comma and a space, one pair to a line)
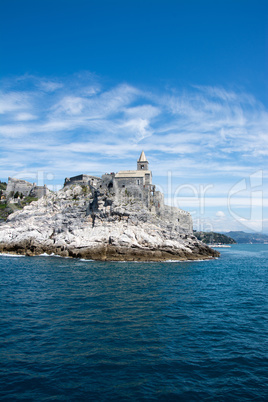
213, 238
248, 238
231, 237
116, 217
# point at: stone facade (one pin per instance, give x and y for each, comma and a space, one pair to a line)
135, 184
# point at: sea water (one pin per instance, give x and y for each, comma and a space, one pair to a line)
75, 330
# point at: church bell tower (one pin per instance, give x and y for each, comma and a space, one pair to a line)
142, 163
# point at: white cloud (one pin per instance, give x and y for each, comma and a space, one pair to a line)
220, 214
197, 201
139, 127
24, 117
203, 132
70, 105
143, 112
200, 136
49, 86
13, 101
14, 131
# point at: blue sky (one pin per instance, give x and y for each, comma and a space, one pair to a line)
86, 85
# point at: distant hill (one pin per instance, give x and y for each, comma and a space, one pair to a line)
243, 237
214, 238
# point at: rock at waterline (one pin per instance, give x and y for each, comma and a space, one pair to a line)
116, 229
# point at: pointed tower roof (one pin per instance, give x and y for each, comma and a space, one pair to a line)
142, 157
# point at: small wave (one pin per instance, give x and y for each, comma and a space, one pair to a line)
60, 256
185, 260
164, 261
11, 255
50, 255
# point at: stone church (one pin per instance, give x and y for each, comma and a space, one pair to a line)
134, 184
127, 187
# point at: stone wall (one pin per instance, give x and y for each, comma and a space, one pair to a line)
25, 188
82, 179
158, 200
133, 189
107, 182
22, 186
39, 191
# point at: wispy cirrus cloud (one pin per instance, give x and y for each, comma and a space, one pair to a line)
201, 130
197, 139
13, 101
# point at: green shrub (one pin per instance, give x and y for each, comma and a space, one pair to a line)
3, 186
28, 200
85, 189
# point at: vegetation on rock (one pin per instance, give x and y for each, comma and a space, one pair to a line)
213, 238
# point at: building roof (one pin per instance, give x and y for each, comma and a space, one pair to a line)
132, 173
142, 157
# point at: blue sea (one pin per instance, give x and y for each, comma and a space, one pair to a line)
74, 330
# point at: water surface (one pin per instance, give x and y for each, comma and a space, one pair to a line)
184, 331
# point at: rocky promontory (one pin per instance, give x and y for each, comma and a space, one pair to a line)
79, 222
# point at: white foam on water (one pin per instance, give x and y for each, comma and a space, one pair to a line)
119, 262
11, 255
49, 255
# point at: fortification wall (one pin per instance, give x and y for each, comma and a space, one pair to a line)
82, 179
25, 188
22, 186
158, 200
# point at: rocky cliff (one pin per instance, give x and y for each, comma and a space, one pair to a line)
79, 222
